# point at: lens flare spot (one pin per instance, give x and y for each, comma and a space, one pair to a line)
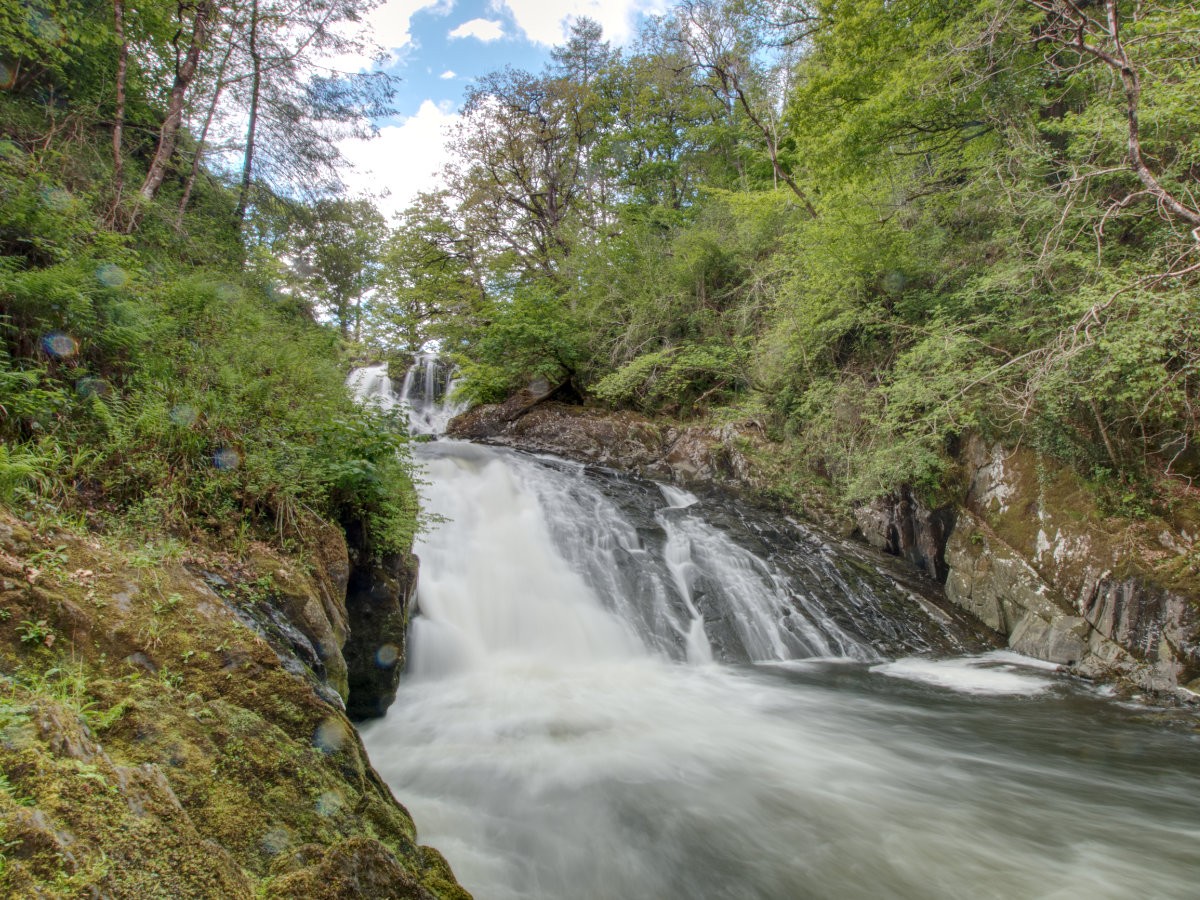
45, 28
227, 459
185, 416
60, 345
276, 841
92, 387
386, 656
331, 735
895, 282
112, 275
56, 199
227, 292
330, 803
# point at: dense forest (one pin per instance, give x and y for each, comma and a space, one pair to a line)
866, 228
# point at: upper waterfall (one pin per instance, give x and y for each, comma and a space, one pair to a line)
426, 395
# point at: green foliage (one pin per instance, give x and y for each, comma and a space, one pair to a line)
675, 379
534, 335
151, 392
39, 632
968, 247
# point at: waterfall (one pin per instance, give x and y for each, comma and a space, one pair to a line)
621, 689
426, 394
371, 384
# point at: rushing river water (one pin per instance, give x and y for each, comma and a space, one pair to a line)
616, 690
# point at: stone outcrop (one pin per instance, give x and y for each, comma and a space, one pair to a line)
170, 727
1034, 557
991, 581
621, 440
904, 526
379, 600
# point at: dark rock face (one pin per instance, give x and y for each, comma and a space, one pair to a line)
903, 526
378, 602
1024, 549
623, 440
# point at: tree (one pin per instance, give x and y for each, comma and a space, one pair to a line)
721, 42
119, 114
428, 289
337, 244
197, 22
296, 111
519, 172
1079, 33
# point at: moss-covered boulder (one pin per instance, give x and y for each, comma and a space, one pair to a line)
155, 741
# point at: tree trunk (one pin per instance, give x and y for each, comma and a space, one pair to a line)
118, 135
198, 157
239, 215
185, 72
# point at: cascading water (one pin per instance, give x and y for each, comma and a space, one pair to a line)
426, 394
562, 732
371, 384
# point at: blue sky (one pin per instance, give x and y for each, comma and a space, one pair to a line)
436, 67
436, 48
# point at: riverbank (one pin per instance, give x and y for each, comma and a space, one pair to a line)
173, 724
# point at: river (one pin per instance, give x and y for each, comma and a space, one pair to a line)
621, 690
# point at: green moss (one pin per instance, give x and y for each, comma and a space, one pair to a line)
159, 748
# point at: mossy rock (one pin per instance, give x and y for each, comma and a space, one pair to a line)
152, 745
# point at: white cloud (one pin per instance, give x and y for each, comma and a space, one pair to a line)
547, 21
485, 30
391, 20
448, 74
403, 160
388, 27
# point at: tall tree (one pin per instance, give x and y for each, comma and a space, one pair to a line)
722, 42
519, 167
118, 134
196, 21
337, 245
296, 110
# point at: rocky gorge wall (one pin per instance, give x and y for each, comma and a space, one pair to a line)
173, 720
1025, 549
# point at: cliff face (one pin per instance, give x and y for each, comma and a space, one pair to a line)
172, 724
1034, 558
1025, 549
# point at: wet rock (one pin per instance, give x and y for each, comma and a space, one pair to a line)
621, 440
900, 524
1034, 558
379, 600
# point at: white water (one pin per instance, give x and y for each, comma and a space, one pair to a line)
428, 395
371, 384
552, 742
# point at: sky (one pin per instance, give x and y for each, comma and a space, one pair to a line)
436, 48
